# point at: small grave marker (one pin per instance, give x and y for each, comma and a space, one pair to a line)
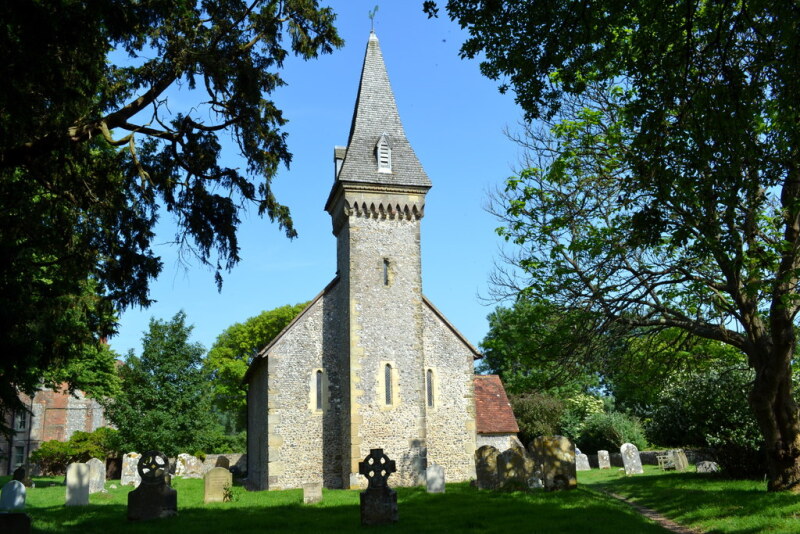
603, 460
12, 496
555, 456
215, 483
434, 478
77, 484
630, 459
312, 492
97, 475
582, 462
486, 467
130, 470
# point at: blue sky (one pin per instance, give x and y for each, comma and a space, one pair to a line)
454, 119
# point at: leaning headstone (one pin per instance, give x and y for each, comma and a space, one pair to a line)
486, 467
707, 467
312, 492
603, 460
680, 460
378, 501
223, 461
217, 482
17, 523
130, 470
555, 458
77, 484
12, 496
511, 468
582, 462
434, 478
630, 459
188, 466
97, 475
154, 498
22, 473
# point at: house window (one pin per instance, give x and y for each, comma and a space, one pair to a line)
429, 387
20, 421
383, 152
319, 389
387, 380
19, 455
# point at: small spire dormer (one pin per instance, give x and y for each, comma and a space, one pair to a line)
383, 153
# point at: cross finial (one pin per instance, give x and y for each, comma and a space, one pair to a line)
372, 19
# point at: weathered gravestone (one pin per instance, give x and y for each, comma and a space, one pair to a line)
77, 484
378, 501
603, 460
188, 466
217, 482
12, 496
22, 473
582, 462
222, 461
707, 467
312, 492
130, 470
97, 475
434, 478
153, 499
555, 457
679, 460
486, 467
630, 459
512, 468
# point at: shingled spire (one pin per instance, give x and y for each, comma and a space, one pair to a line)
376, 132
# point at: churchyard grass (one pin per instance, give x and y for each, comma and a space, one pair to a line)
705, 502
461, 509
700, 501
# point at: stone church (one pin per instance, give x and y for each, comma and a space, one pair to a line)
370, 363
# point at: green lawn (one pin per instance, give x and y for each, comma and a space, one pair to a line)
691, 499
705, 502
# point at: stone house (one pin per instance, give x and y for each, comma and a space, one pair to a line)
54, 415
370, 363
495, 422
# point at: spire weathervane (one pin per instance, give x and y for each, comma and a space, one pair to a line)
372, 19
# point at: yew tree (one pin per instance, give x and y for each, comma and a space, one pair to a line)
664, 184
113, 114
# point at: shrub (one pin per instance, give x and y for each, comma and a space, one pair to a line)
537, 414
54, 456
711, 410
608, 431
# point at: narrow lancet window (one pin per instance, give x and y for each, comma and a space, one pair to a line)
387, 378
319, 390
386, 271
429, 387
383, 152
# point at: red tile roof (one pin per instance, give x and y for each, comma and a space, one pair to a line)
493, 414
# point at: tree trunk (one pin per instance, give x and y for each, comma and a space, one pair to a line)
777, 417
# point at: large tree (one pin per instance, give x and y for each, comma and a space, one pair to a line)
92, 152
668, 190
165, 399
232, 353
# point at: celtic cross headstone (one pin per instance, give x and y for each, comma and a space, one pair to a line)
378, 501
154, 498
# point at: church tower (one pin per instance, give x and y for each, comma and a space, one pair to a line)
370, 362
376, 205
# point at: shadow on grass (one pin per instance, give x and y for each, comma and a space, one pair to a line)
710, 502
461, 509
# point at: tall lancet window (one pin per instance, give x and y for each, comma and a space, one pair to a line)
319, 390
383, 152
429, 387
387, 379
